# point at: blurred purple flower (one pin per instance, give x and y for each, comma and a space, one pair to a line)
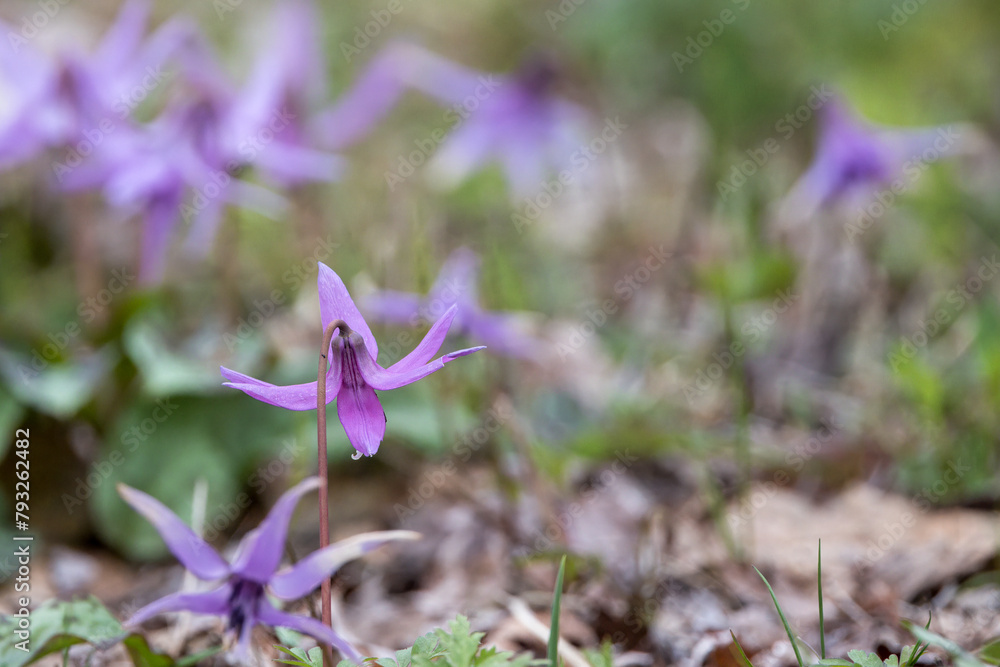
516, 120
65, 101
854, 158
354, 374
456, 286
241, 598
265, 124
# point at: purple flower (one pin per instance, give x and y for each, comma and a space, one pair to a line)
516, 121
354, 375
455, 287
854, 158
241, 597
73, 98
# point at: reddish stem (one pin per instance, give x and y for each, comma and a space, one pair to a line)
324, 499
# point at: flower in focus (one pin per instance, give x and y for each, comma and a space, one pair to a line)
854, 158
516, 120
354, 375
242, 596
455, 286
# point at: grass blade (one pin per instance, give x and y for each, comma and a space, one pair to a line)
784, 621
742, 653
819, 588
553, 653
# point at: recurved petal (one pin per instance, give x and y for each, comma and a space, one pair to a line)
215, 602
392, 378
192, 551
260, 551
428, 347
290, 397
361, 415
268, 615
335, 303
308, 573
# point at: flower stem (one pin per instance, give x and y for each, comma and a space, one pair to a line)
324, 496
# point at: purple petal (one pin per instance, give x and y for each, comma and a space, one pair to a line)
192, 551
467, 150
214, 602
435, 76
290, 397
260, 551
499, 333
290, 165
393, 306
429, 346
309, 573
362, 416
335, 303
387, 378
268, 615
160, 219
124, 38
365, 103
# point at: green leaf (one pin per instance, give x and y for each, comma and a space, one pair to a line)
163, 447
57, 625
553, 652
605, 657
142, 655
314, 658
864, 658
991, 652
784, 621
163, 372
740, 652
59, 390
960, 656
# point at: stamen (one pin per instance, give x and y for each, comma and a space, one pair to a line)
357, 455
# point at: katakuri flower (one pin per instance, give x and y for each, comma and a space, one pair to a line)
854, 158
517, 120
242, 594
456, 285
354, 375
